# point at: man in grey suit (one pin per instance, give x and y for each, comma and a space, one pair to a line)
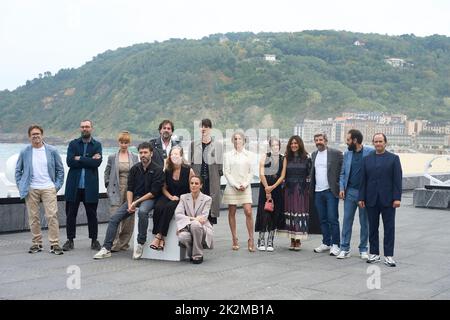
325, 173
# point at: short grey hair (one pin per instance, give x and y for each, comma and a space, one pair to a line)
321, 134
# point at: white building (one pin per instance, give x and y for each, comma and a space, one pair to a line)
270, 57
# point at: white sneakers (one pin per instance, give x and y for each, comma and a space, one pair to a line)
322, 248
261, 248
138, 251
374, 258
103, 253
334, 251
343, 254
389, 261
346, 254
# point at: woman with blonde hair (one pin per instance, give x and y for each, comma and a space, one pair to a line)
238, 191
116, 177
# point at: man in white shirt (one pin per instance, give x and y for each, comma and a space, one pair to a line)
326, 169
39, 176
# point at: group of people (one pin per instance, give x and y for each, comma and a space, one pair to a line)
160, 180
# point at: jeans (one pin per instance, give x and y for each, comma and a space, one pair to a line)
350, 205
121, 214
144, 213
327, 207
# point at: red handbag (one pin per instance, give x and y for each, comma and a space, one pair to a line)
268, 206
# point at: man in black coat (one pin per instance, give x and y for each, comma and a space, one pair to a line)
164, 143
380, 192
84, 156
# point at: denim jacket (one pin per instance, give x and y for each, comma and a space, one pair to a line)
345, 170
24, 168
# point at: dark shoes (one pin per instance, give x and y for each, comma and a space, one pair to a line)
35, 248
68, 245
95, 245
197, 260
56, 249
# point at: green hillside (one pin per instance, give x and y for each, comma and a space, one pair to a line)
225, 77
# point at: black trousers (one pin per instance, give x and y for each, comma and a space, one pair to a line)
72, 212
388, 215
162, 214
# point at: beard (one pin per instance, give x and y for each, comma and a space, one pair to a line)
145, 160
351, 147
320, 146
166, 135
85, 135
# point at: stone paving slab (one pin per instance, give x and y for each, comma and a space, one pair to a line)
423, 270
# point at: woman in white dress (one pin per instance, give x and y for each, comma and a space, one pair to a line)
238, 172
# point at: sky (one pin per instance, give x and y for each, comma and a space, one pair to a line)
48, 35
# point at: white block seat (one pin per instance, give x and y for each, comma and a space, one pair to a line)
172, 251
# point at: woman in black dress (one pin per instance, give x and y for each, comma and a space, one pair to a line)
176, 183
272, 169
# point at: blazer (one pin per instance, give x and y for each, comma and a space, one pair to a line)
381, 180
347, 166
112, 176
214, 152
185, 209
238, 173
158, 151
334, 165
24, 168
90, 166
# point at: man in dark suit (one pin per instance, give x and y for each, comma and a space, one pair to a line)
84, 156
380, 192
325, 173
163, 144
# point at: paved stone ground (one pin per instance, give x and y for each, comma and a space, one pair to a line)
422, 253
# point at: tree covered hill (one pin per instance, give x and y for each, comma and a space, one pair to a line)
317, 74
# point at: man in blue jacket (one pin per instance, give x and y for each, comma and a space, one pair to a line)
39, 176
349, 191
381, 192
84, 156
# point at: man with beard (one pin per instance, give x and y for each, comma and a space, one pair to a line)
326, 169
380, 192
84, 156
349, 183
163, 144
145, 181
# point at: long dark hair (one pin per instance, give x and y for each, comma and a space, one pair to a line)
169, 164
301, 148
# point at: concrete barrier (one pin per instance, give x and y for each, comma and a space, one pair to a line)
14, 218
